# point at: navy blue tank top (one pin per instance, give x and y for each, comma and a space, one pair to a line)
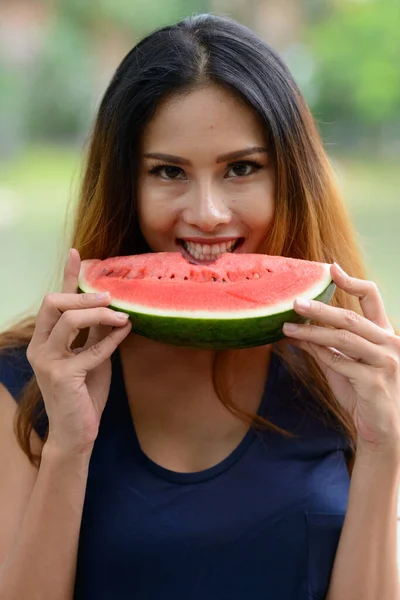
262, 524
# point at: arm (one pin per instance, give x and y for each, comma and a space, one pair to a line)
365, 566
42, 561
360, 358
39, 551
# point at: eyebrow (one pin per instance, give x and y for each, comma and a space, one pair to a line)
222, 158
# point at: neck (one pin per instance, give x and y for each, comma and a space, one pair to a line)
171, 392
181, 366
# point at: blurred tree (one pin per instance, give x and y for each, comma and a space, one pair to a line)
356, 47
13, 107
60, 95
139, 16
55, 97
344, 54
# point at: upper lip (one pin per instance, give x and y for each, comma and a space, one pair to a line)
210, 242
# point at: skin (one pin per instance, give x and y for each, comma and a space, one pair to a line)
208, 197
360, 356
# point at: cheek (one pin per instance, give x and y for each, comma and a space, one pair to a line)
156, 210
258, 207
265, 201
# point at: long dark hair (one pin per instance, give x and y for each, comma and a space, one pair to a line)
310, 221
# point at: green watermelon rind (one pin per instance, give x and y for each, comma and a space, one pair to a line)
217, 334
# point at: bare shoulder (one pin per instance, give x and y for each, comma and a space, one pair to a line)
17, 474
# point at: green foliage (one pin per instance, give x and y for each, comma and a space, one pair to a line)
138, 16
13, 107
55, 98
60, 92
357, 53
347, 66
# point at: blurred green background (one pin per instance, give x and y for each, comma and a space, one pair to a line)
56, 58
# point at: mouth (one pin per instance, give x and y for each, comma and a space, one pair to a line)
203, 254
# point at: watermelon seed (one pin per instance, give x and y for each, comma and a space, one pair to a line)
214, 279
172, 276
159, 277
185, 278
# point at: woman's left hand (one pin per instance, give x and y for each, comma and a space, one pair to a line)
360, 358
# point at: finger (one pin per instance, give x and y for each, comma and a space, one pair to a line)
310, 348
349, 343
337, 361
71, 272
368, 293
341, 318
55, 304
97, 353
96, 334
73, 321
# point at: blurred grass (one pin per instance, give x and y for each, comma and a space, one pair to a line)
41, 180
372, 194
35, 191
36, 188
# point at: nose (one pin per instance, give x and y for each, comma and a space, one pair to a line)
207, 210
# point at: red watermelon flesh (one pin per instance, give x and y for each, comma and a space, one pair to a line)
167, 296
235, 282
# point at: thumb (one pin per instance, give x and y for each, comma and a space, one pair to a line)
71, 272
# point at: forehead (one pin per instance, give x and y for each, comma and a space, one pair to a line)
209, 115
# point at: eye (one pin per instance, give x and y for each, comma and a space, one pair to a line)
168, 172
243, 168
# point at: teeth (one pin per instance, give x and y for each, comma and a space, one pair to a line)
205, 251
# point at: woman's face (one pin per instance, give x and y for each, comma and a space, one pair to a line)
206, 184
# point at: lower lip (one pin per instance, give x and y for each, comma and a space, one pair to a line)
194, 260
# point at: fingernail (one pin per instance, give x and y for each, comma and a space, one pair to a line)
290, 327
102, 295
302, 303
123, 316
340, 268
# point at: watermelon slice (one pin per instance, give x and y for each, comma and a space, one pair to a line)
239, 301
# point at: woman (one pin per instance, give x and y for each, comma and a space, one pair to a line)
142, 470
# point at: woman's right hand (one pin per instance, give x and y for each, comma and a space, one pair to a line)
75, 383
